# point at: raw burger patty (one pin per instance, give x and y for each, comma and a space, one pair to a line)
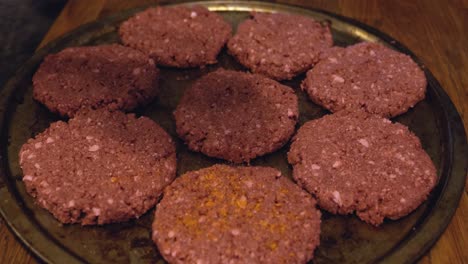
366, 76
107, 76
363, 163
224, 214
98, 168
177, 36
236, 116
279, 46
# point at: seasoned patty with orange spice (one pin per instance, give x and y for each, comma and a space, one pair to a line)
225, 214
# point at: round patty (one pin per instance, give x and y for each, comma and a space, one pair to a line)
100, 167
177, 36
107, 76
366, 76
236, 116
224, 214
279, 46
364, 163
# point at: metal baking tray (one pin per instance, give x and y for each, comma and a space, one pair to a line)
344, 239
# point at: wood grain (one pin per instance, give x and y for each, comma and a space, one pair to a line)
74, 14
434, 30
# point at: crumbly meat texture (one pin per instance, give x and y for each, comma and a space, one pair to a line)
363, 163
98, 168
224, 214
367, 76
236, 116
279, 46
177, 36
107, 76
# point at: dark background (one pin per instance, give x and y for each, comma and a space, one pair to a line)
23, 24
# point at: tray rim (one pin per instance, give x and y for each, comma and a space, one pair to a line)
455, 132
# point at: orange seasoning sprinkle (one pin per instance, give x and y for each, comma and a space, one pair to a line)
242, 202
223, 201
209, 203
208, 176
273, 245
257, 206
113, 179
223, 212
189, 221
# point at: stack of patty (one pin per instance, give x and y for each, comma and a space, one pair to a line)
110, 166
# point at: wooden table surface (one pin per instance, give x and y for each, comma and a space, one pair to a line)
436, 31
